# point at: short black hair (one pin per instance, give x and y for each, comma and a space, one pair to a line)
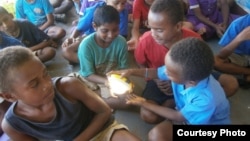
3, 10
106, 14
11, 58
173, 9
194, 56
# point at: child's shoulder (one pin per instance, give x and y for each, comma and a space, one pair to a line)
66, 84
120, 40
63, 81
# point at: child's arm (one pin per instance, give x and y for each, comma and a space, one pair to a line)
229, 49
75, 33
219, 29
14, 135
49, 22
225, 12
43, 44
135, 35
98, 79
41, 39
84, 24
74, 90
166, 112
143, 72
202, 18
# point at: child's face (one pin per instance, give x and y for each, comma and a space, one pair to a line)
6, 23
32, 84
162, 29
119, 5
173, 70
106, 33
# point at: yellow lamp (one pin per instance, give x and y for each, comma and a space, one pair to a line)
119, 85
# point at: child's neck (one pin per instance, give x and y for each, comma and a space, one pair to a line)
190, 84
101, 43
174, 40
34, 113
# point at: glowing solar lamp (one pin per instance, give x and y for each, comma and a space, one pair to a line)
118, 85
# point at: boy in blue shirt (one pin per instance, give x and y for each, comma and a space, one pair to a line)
233, 58
40, 13
199, 98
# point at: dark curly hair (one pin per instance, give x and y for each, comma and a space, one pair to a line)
172, 8
194, 56
106, 14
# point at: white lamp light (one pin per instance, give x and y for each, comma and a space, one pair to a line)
119, 85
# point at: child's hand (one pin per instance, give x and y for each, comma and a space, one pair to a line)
164, 86
123, 73
220, 30
132, 43
53, 43
135, 100
67, 42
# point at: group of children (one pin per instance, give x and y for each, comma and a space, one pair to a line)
182, 85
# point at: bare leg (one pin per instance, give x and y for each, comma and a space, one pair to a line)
56, 33
64, 7
151, 117
117, 102
70, 52
46, 54
229, 84
161, 132
124, 135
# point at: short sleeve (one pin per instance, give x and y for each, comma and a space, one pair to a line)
161, 72
193, 4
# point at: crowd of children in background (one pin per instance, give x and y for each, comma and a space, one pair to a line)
173, 30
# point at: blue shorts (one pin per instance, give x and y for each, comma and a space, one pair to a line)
152, 92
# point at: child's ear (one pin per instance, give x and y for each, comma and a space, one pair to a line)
8, 97
179, 26
94, 26
192, 83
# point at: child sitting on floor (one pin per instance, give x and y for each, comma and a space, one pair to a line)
30, 35
103, 51
40, 13
85, 27
61, 108
199, 98
208, 20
